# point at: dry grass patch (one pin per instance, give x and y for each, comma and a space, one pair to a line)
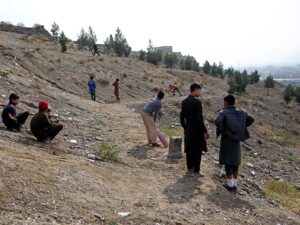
242, 101
103, 80
129, 86
92, 74
169, 131
287, 194
110, 151
82, 62
277, 135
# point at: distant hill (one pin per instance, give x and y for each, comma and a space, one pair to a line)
291, 71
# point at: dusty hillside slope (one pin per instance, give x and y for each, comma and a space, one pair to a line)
57, 184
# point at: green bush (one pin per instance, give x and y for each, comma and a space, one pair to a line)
110, 151
63, 40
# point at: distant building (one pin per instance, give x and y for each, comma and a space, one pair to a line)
101, 48
38, 30
165, 49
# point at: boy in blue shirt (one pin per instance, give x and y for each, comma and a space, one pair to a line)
149, 115
10, 118
92, 87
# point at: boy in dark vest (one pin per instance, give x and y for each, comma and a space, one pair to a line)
232, 124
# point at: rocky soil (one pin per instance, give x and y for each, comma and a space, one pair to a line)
58, 184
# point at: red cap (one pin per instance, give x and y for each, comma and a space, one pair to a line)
43, 105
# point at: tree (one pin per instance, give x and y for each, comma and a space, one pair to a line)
118, 43
86, 39
221, 70
254, 77
288, 94
170, 60
153, 55
142, 55
63, 40
127, 50
195, 66
109, 43
206, 67
297, 94
233, 86
188, 63
230, 71
82, 39
237, 82
92, 37
214, 70
55, 31
269, 83
244, 81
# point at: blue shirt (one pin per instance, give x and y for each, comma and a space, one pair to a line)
92, 85
8, 109
153, 108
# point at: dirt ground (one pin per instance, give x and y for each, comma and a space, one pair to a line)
58, 184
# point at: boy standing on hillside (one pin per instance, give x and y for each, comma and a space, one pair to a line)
149, 115
95, 50
40, 125
9, 114
92, 87
232, 123
116, 84
191, 118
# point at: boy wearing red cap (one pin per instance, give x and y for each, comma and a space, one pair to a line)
41, 126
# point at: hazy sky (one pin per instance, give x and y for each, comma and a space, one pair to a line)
236, 32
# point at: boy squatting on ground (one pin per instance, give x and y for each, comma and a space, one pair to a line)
232, 124
10, 118
149, 115
41, 126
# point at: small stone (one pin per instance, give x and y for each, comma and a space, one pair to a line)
250, 165
175, 147
277, 178
253, 173
124, 214
99, 139
73, 141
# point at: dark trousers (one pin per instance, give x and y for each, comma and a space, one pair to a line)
231, 169
93, 94
193, 160
96, 52
21, 119
176, 89
50, 133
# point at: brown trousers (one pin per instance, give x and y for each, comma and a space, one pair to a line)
150, 127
